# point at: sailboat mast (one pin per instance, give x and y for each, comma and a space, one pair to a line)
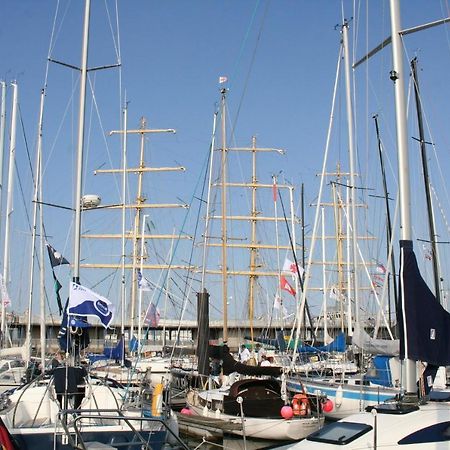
351, 148
9, 200
37, 182
79, 168
42, 239
252, 279
2, 139
137, 222
426, 182
397, 75
224, 220
388, 220
124, 201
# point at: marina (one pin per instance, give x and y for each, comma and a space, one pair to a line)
224, 225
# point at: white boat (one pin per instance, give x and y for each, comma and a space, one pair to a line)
420, 418
67, 408
258, 412
35, 418
424, 427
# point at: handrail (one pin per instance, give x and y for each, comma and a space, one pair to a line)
81, 414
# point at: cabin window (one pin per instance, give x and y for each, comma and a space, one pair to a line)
340, 433
439, 432
17, 363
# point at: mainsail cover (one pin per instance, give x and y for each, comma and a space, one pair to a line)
374, 346
424, 324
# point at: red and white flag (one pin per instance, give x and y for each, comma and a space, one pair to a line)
223, 80
291, 267
286, 286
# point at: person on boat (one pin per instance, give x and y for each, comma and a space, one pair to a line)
264, 361
260, 352
244, 354
57, 360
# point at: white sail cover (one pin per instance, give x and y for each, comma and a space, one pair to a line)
375, 346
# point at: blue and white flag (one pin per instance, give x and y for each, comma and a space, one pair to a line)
143, 283
84, 302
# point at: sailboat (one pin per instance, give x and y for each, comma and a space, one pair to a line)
418, 418
330, 371
68, 408
250, 400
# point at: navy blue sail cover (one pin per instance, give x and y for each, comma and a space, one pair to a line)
427, 322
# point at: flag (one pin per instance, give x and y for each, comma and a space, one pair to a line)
274, 190
334, 294
286, 286
380, 268
78, 337
57, 286
291, 267
223, 80
4, 292
56, 259
143, 283
152, 316
84, 302
277, 302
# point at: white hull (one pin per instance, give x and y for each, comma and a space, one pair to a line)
266, 428
394, 431
347, 399
261, 427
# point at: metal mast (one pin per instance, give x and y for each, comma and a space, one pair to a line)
398, 76
426, 182
224, 220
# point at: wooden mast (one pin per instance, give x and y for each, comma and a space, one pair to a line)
140, 203
253, 250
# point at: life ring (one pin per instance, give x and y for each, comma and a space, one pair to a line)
157, 400
300, 405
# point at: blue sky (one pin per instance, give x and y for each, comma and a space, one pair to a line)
280, 58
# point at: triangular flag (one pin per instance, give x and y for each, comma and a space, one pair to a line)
223, 80
143, 283
56, 259
4, 292
152, 316
277, 302
286, 286
57, 286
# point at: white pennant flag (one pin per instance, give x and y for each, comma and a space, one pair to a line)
143, 284
4, 292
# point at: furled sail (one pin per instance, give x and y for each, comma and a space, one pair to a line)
424, 324
374, 346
